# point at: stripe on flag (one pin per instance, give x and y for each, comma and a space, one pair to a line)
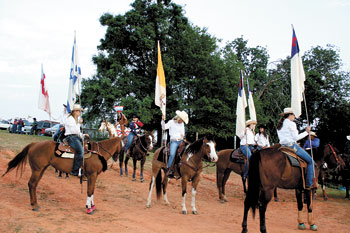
160, 92
44, 102
251, 105
240, 109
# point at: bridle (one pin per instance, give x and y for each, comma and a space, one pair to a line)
335, 156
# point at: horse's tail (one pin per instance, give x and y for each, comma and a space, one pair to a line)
254, 182
159, 184
19, 161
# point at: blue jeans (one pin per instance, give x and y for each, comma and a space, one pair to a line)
14, 128
310, 169
248, 154
75, 142
130, 139
57, 132
173, 147
19, 129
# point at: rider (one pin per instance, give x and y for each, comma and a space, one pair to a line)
118, 119
315, 142
74, 136
288, 136
261, 138
247, 143
135, 127
177, 134
34, 127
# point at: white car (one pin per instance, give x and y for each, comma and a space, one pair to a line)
4, 124
51, 131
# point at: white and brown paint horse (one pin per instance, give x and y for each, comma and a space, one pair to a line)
191, 166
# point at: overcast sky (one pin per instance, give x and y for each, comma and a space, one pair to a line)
42, 32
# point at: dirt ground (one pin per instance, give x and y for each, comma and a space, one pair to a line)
121, 206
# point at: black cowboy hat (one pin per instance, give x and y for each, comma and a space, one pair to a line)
262, 126
135, 116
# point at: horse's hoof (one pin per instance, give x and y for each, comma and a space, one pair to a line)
148, 205
244, 231
121, 175
133, 179
222, 201
313, 227
59, 177
325, 199
194, 212
184, 212
36, 209
302, 226
89, 211
93, 208
142, 180
277, 200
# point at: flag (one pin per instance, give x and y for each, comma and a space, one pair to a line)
241, 106
251, 105
297, 77
44, 103
160, 95
74, 79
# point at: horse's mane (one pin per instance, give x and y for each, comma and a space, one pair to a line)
196, 146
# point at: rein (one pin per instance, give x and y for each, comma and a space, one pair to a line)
335, 156
139, 138
98, 150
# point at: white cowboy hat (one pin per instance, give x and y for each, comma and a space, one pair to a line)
183, 115
348, 137
77, 107
313, 134
249, 122
287, 111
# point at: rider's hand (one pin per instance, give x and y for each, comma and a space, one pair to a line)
81, 120
308, 129
163, 117
86, 136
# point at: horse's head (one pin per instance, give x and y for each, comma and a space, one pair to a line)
210, 148
102, 127
149, 139
331, 156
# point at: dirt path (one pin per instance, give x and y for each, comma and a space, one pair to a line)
121, 206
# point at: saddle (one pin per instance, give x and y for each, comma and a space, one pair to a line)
63, 150
237, 156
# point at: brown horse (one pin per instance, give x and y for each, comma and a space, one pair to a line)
138, 151
268, 169
191, 166
42, 154
224, 167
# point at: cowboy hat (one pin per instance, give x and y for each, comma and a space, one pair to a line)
77, 107
348, 137
287, 111
249, 122
313, 134
118, 108
135, 116
183, 115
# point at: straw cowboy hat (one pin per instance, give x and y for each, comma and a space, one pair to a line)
183, 115
77, 107
287, 111
348, 137
249, 122
313, 134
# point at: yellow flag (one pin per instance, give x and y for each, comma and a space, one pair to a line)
160, 95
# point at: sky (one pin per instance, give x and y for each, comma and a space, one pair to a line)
42, 32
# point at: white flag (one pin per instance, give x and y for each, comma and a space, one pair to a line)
251, 105
240, 110
44, 103
160, 93
297, 77
74, 79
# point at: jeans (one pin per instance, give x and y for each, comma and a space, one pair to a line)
310, 168
14, 128
75, 142
248, 154
57, 132
173, 147
130, 139
19, 129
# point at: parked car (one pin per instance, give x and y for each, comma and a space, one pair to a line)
5, 125
51, 131
27, 127
42, 125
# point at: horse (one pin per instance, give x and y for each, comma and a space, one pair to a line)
42, 154
269, 168
191, 166
138, 151
345, 174
224, 166
327, 158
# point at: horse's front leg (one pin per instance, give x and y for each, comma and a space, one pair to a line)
32, 184
121, 160
299, 196
142, 163
126, 165
134, 161
195, 183
184, 186
310, 216
90, 205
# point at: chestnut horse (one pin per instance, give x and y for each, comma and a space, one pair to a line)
138, 151
42, 154
269, 168
191, 166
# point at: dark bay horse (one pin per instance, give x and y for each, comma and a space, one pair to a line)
224, 167
42, 154
191, 166
138, 151
268, 169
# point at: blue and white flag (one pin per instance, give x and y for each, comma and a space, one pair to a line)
74, 79
251, 105
241, 106
297, 77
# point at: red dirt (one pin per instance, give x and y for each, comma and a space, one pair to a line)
121, 206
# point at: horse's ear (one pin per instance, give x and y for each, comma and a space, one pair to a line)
210, 137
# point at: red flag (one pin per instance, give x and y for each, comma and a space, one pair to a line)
44, 103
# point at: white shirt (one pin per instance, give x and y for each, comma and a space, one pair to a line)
176, 130
247, 138
63, 118
288, 134
72, 127
261, 140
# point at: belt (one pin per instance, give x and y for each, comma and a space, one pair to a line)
71, 135
175, 140
288, 144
